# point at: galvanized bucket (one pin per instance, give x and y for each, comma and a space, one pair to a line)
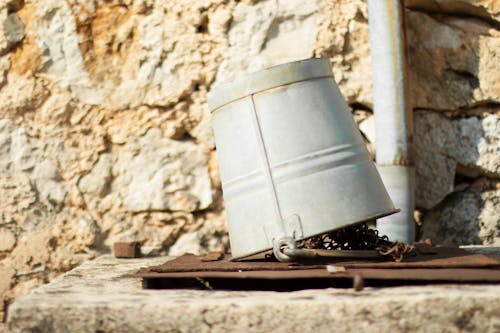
292, 161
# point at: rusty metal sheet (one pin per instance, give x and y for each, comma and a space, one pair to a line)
441, 257
216, 271
405, 274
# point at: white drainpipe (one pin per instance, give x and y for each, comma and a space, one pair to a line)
393, 115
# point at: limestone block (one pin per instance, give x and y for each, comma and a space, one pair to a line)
6, 276
489, 9
32, 251
465, 218
31, 187
46, 170
21, 154
98, 296
212, 236
86, 232
20, 95
214, 231
452, 61
488, 69
47, 181
11, 30
353, 73
156, 173
343, 37
202, 130
269, 33
157, 229
70, 243
97, 182
477, 144
18, 195
56, 109
151, 53
441, 144
18, 153
187, 243
61, 59
7, 239
435, 170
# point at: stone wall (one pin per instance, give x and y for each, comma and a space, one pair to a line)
105, 134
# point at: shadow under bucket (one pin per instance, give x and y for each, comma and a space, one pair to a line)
292, 161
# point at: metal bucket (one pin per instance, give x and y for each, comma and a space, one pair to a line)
292, 161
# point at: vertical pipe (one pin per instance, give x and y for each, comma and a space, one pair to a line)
393, 116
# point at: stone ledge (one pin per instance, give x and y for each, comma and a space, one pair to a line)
96, 298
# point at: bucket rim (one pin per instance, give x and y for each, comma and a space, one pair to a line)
268, 78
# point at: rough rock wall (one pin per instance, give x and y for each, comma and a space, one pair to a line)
105, 134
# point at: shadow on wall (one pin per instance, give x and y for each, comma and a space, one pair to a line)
455, 94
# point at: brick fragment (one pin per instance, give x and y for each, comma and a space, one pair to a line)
127, 249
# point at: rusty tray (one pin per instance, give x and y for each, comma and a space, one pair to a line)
216, 271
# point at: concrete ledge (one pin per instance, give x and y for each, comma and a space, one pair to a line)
95, 298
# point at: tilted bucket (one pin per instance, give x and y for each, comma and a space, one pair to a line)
292, 160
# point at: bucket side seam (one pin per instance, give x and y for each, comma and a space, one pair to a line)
267, 167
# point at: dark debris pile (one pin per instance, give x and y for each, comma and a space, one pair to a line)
358, 237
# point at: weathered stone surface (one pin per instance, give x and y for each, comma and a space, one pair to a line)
158, 229
477, 144
6, 278
46, 177
21, 95
268, 33
452, 62
11, 29
43, 234
435, 169
489, 9
21, 154
465, 218
467, 146
187, 243
155, 173
131, 54
211, 237
61, 59
97, 182
452, 59
471, 142
96, 297
343, 37
31, 252
18, 195
7, 239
